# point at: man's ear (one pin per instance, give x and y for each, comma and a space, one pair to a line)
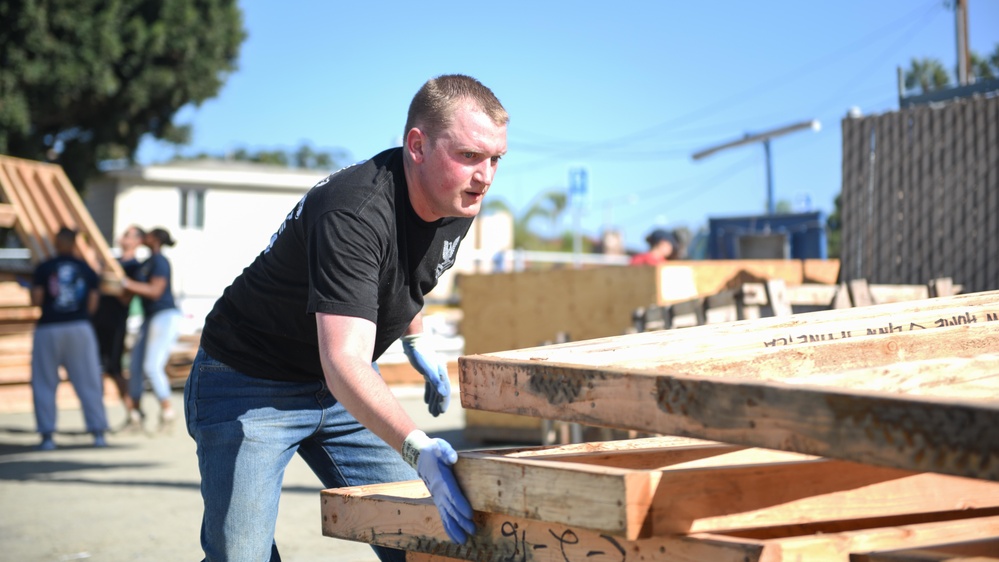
416, 143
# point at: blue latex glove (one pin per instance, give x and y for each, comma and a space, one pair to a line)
423, 357
432, 459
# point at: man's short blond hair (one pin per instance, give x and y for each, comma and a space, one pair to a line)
433, 107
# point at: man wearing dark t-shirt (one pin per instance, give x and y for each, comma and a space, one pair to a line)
287, 353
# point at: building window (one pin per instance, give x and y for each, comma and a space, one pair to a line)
192, 208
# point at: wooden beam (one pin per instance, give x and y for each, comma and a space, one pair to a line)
20, 313
10, 184
860, 293
607, 499
898, 293
814, 294
842, 298
401, 516
7, 215
639, 454
777, 297
105, 262
897, 429
698, 488
726, 493
837, 547
851, 323
983, 550
801, 362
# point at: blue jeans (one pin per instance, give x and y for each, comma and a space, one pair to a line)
247, 430
151, 353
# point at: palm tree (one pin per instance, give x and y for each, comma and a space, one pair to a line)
927, 74
548, 206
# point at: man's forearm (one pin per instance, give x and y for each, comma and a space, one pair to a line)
366, 396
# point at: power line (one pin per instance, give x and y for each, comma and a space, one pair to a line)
878, 60
741, 97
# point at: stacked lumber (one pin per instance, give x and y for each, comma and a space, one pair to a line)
843, 435
774, 297
17, 321
36, 200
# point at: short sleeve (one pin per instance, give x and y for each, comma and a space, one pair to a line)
345, 257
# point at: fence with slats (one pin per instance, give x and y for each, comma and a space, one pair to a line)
921, 195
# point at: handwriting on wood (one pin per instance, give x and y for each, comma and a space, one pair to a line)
873, 329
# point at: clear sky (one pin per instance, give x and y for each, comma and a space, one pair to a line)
626, 90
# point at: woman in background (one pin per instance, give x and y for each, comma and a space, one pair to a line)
111, 319
160, 328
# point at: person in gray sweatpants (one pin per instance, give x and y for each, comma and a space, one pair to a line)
65, 288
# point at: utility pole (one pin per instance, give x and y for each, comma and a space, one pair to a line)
963, 53
764, 138
577, 196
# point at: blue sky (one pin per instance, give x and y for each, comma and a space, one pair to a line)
626, 90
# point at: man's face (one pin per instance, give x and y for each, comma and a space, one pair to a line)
456, 167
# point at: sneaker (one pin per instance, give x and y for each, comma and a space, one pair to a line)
99, 440
134, 422
167, 417
47, 444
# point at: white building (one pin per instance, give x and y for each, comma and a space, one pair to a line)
222, 215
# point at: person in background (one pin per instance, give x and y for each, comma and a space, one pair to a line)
159, 331
287, 354
65, 288
662, 245
110, 320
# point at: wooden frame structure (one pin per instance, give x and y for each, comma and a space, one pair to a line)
879, 429
36, 200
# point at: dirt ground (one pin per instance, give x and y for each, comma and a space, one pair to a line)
139, 498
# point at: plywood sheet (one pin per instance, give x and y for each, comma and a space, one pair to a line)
762, 396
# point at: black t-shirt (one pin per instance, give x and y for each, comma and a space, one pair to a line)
68, 282
353, 246
110, 310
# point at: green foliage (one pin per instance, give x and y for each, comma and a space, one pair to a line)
88, 78
928, 75
985, 68
549, 207
302, 157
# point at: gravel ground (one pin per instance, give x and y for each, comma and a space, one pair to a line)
139, 499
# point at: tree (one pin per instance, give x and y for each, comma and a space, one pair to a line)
302, 157
548, 206
985, 68
927, 74
84, 80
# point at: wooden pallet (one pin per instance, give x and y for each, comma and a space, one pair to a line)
855, 432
